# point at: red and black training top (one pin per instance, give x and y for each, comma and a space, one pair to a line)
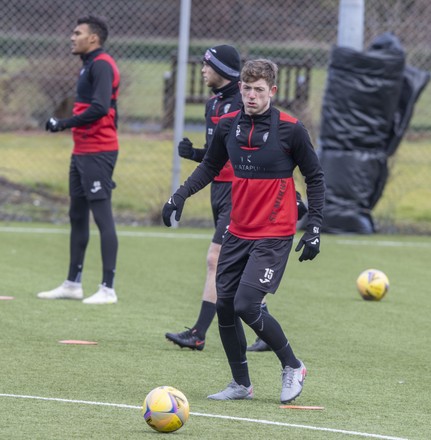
94, 121
264, 151
225, 100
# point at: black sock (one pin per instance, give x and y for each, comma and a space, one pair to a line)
233, 339
75, 273
287, 357
108, 278
248, 305
102, 213
206, 316
79, 213
240, 373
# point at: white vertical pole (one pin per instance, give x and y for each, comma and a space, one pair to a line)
180, 87
351, 24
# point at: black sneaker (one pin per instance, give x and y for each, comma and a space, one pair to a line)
259, 345
188, 339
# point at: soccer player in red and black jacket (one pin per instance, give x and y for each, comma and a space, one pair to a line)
220, 71
94, 155
264, 146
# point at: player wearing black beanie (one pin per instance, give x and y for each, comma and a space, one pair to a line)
225, 60
220, 72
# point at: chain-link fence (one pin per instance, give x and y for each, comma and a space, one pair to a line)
38, 76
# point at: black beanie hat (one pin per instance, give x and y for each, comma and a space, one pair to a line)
224, 60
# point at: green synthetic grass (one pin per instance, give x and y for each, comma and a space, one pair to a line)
369, 363
143, 173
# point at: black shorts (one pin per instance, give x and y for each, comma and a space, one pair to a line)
256, 263
221, 205
90, 175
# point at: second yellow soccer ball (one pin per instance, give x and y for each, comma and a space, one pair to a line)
373, 284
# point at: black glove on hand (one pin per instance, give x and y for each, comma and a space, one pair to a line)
302, 209
53, 125
185, 149
175, 203
311, 243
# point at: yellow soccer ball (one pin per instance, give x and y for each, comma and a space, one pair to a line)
372, 284
165, 409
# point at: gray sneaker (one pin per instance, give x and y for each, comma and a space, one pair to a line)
234, 392
292, 381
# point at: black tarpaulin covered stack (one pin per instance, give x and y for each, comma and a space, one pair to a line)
367, 106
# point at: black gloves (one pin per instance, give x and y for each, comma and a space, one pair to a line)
302, 209
53, 125
185, 149
175, 203
311, 243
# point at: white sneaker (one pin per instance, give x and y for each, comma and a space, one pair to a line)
105, 295
68, 290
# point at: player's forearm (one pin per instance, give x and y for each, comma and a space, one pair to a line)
316, 199
199, 154
198, 180
92, 114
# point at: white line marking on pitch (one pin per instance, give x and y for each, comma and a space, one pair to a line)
241, 419
149, 234
119, 232
383, 243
